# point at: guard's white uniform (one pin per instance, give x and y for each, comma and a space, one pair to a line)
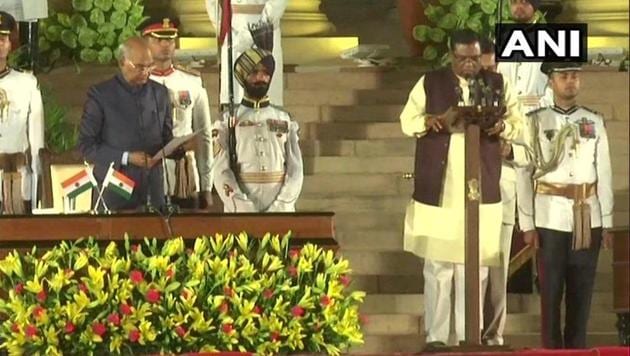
247, 12
585, 161
270, 164
22, 125
191, 112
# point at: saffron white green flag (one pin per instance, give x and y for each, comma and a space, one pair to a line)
119, 183
78, 183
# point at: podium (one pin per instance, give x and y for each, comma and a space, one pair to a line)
47, 230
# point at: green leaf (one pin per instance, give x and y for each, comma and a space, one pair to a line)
448, 22
55, 54
78, 22
97, 16
64, 20
437, 35
118, 19
446, 2
104, 5
44, 44
434, 13
69, 38
488, 6
461, 8
107, 39
107, 27
122, 5
53, 33
430, 53
82, 5
421, 33
474, 23
87, 37
105, 55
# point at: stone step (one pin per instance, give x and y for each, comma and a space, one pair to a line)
383, 263
389, 344
395, 147
602, 82
524, 323
617, 130
390, 240
353, 80
375, 185
347, 204
618, 146
413, 304
354, 131
413, 284
359, 165
393, 324
362, 113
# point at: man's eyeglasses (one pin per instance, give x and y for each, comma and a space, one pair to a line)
141, 67
462, 59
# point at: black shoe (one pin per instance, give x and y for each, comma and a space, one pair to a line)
434, 346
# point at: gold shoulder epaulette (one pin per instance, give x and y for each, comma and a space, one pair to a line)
592, 111
188, 70
535, 111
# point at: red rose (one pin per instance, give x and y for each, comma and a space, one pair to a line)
293, 271
38, 312
41, 296
267, 293
345, 280
275, 336
31, 330
169, 273
153, 295
69, 328
294, 253
114, 318
297, 311
83, 288
180, 330
15, 328
224, 308
99, 329
227, 328
19, 288
125, 309
134, 335
324, 300
135, 248
185, 294
257, 310
136, 276
228, 292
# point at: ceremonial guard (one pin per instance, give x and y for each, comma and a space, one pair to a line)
258, 160
21, 130
572, 205
243, 14
189, 180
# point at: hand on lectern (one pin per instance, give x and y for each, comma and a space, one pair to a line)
497, 128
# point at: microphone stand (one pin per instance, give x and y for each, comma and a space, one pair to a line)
146, 172
169, 208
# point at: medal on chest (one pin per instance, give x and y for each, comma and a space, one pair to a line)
4, 105
183, 97
587, 128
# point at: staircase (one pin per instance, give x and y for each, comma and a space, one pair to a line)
355, 155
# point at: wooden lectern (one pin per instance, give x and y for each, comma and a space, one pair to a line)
48, 230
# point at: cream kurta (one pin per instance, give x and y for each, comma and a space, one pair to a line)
437, 233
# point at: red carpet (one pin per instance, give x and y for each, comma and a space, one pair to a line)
599, 351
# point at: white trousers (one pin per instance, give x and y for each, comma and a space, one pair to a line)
438, 280
495, 289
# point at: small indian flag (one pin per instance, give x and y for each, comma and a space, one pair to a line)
78, 183
119, 183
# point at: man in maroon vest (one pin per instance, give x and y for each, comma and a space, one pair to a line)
434, 222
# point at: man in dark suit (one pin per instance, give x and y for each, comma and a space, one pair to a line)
126, 120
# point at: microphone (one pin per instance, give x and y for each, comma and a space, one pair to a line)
169, 208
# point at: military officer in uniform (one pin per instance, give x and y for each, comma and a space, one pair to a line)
189, 180
572, 205
244, 14
21, 130
267, 173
